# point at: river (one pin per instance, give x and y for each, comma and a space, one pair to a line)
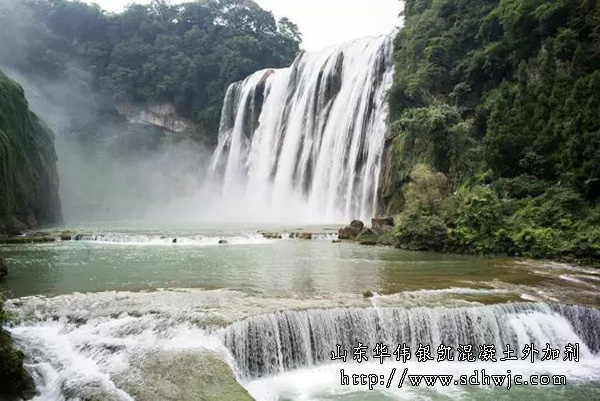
169, 313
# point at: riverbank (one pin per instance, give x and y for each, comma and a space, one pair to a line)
423, 233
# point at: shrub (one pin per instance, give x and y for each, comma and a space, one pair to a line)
478, 224
421, 232
426, 191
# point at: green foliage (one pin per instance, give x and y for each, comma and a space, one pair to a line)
186, 54
501, 96
478, 223
426, 190
28, 177
4, 317
435, 135
421, 232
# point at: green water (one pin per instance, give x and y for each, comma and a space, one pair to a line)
273, 268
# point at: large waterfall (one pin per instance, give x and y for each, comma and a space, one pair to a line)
306, 141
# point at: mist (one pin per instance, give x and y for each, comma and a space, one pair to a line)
109, 171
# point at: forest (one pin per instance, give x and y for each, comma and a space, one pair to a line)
495, 131
185, 54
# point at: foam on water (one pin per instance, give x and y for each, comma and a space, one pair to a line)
153, 240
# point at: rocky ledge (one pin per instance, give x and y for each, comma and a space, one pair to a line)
380, 232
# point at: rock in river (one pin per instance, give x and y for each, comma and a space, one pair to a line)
352, 231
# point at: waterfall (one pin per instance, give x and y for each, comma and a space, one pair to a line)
308, 140
273, 343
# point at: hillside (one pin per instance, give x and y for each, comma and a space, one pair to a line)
494, 142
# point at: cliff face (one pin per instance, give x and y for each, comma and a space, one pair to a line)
28, 176
161, 115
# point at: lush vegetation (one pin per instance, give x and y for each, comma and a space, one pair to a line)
186, 54
495, 124
28, 177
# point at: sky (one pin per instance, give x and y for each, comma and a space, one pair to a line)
322, 22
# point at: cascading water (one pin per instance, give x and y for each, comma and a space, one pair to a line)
109, 346
274, 343
307, 141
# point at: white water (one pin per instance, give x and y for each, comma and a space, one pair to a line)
117, 238
305, 143
274, 343
90, 345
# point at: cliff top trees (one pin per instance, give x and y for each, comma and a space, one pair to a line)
186, 53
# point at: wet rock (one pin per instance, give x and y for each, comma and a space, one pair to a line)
306, 236
174, 241
270, 235
67, 235
26, 240
352, 231
357, 225
17, 227
336, 241
3, 268
43, 239
223, 242
15, 381
368, 294
183, 376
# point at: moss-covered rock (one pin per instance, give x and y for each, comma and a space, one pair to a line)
181, 376
28, 175
352, 231
367, 236
15, 381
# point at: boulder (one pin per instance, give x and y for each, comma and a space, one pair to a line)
15, 382
67, 235
352, 231
3, 268
306, 236
357, 225
223, 242
368, 236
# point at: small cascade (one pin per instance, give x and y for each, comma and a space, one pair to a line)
273, 343
118, 238
308, 140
